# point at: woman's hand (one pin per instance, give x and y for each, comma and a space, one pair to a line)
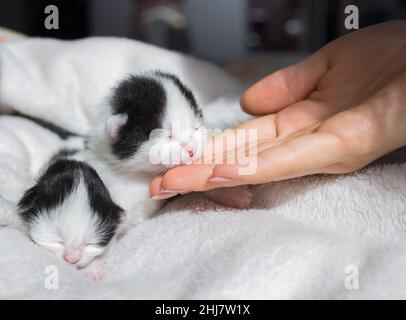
335, 112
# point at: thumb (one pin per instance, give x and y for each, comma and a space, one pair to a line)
286, 86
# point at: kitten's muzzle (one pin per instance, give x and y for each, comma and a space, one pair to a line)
72, 256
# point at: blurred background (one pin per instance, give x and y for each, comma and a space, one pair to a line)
250, 38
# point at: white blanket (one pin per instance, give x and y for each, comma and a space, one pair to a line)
317, 237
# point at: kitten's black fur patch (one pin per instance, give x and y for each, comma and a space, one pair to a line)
57, 184
185, 91
102, 204
51, 189
143, 99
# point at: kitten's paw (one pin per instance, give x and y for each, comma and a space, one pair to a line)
94, 272
236, 197
95, 276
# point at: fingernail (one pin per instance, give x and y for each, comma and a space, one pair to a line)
163, 196
220, 180
173, 191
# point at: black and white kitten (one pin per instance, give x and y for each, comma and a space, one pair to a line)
149, 124
76, 208
152, 123
70, 212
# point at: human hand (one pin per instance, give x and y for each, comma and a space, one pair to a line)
335, 112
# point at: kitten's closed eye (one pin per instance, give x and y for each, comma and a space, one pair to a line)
92, 244
54, 245
95, 248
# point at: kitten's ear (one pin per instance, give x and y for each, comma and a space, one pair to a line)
114, 124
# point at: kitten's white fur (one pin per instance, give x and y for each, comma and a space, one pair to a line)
71, 231
128, 179
178, 119
71, 227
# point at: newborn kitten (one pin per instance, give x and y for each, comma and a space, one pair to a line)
70, 212
150, 123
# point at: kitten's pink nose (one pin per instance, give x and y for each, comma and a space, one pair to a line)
191, 153
72, 256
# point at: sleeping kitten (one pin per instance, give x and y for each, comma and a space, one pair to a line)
70, 212
149, 112
150, 123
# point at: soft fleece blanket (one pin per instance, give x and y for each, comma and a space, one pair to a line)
316, 237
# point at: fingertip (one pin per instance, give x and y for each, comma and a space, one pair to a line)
285, 86
267, 96
252, 99
245, 101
